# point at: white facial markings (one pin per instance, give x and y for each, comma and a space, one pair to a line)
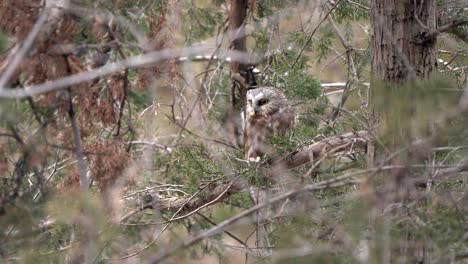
258, 97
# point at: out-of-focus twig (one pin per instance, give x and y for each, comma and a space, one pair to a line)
313, 32
21, 52
138, 61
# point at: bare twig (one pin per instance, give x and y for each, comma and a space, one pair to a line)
352, 72
366, 8
313, 33
228, 233
77, 142
21, 53
138, 61
77, 137
152, 144
229, 222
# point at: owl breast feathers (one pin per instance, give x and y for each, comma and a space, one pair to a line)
267, 113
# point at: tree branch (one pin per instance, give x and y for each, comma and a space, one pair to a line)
216, 194
447, 27
313, 32
134, 62
76, 136
319, 149
352, 72
23, 50
229, 222
314, 153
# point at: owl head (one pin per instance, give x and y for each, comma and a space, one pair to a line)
264, 101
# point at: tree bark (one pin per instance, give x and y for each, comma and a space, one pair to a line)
402, 48
237, 16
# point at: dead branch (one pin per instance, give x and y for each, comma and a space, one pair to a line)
352, 72
165, 148
315, 151
237, 20
77, 137
217, 193
236, 77
229, 222
134, 62
23, 50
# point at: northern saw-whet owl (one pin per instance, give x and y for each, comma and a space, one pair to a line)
267, 113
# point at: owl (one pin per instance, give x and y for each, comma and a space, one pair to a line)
267, 113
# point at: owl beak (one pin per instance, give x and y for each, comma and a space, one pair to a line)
255, 113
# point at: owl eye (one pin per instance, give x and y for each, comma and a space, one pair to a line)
262, 102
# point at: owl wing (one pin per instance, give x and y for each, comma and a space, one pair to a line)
283, 120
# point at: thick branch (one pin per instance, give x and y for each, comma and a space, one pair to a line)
316, 151
313, 153
216, 194
237, 18
447, 27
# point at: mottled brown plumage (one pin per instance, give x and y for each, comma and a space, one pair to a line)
267, 113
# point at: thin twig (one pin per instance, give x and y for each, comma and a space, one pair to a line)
229, 222
313, 33
21, 53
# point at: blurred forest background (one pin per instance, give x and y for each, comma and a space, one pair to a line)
121, 140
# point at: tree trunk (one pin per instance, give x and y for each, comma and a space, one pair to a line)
403, 50
237, 16
401, 47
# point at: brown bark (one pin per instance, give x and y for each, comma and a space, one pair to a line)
403, 50
322, 149
401, 47
237, 16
